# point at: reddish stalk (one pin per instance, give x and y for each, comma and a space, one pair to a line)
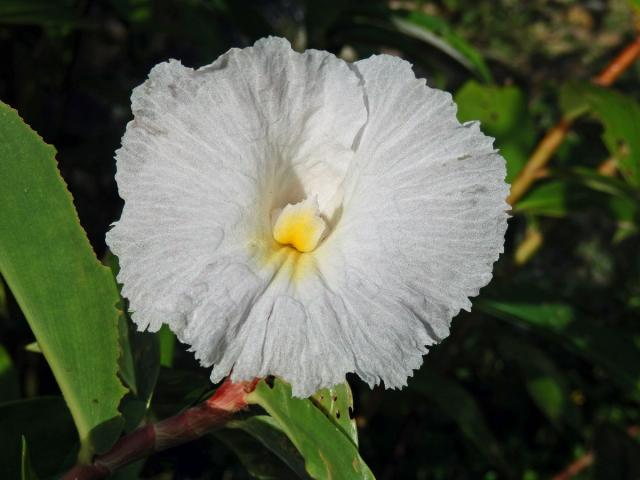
188, 425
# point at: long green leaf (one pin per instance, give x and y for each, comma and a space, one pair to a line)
268, 432
327, 451
437, 32
260, 462
67, 296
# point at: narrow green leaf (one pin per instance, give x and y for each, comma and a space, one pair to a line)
437, 32
327, 451
268, 432
457, 403
26, 470
47, 426
258, 460
67, 296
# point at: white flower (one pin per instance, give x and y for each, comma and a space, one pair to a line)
295, 215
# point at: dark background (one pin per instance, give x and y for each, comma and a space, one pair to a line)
508, 395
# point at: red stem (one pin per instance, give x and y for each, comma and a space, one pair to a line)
181, 428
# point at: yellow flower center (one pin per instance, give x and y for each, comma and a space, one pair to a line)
299, 225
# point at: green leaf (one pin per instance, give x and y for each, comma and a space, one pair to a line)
437, 32
337, 405
139, 368
548, 199
620, 116
458, 404
9, 386
259, 461
167, 346
503, 113
26, 470
327, 451
47, 426
67, 296
268, 432
615, 350
544, 382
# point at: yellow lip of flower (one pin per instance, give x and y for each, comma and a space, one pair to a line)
299, 225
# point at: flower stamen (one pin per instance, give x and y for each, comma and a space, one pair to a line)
299, 225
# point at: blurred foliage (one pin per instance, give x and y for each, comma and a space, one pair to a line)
544, 369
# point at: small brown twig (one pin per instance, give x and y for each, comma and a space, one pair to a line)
585, 461
554, 137
188, 425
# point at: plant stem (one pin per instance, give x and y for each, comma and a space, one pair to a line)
554, 137
188, 425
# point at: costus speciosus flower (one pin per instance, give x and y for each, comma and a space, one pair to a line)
296, 215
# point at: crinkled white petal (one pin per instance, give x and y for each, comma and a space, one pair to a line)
199, 161
424, 221
415, 202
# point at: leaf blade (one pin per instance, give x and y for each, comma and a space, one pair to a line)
45, 258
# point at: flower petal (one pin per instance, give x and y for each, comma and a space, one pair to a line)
197, 169
424, 220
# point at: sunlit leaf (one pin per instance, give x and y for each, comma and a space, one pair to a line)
503, 113
437, 32
620, 116
327, 451
67, 296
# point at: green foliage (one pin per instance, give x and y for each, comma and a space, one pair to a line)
503, 113
76, 332
620, 117
327, 450
545, 368
275, 452
437, 32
